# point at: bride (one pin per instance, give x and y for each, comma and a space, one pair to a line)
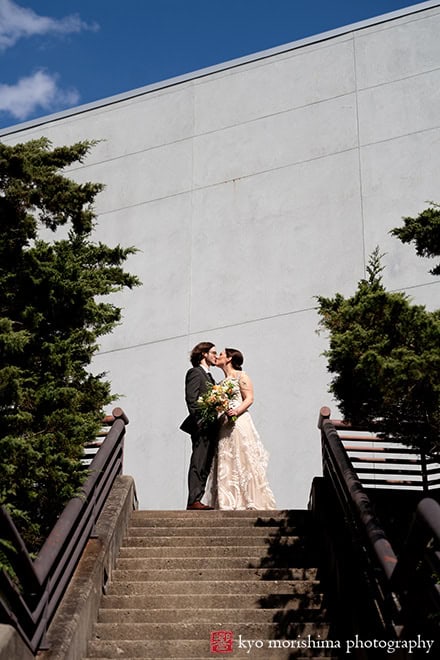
238, 474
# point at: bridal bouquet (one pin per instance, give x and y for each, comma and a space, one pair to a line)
216, 400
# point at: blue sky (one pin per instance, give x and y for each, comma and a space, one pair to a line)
57, 54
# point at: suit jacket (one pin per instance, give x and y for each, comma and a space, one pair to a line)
196, 384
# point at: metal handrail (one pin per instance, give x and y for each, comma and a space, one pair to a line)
335, 454
31, 607
423, 541
398, 581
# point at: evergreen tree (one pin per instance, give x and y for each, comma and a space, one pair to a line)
424, 231
51, 315
385, 354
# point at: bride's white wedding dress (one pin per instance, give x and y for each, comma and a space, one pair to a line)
238, 474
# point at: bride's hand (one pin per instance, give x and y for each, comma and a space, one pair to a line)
232, 412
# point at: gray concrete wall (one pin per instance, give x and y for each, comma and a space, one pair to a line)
249, 190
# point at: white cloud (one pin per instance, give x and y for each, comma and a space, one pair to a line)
17, 22
37, 91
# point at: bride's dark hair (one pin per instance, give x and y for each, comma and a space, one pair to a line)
236, 356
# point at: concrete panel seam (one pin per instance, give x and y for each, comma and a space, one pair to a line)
358, 133
207, 330
422, 14
191, 138
389, 83
422, 131
226, 181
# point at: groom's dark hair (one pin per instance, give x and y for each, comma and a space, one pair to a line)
199, 351
236, 356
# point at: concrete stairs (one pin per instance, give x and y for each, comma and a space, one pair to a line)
214, 584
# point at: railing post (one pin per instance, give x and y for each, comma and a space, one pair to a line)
424, 466
118, 413
324, 414
43, 645
93, 534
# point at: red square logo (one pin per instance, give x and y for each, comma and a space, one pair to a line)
222, 641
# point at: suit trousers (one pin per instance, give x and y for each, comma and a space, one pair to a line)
204, 445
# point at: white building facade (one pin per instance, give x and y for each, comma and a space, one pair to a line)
249, 189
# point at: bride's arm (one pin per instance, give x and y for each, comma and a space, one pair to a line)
247, 394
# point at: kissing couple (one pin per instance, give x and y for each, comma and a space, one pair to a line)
228, 462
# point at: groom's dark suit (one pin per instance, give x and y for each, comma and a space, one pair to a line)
203, 436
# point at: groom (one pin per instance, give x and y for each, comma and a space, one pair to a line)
203, 436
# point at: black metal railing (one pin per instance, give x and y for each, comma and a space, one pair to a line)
384, 462
29, 601
402, 583
416, 577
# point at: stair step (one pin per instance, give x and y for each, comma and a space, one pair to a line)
212, 600
241, 526
295, 515
195, 563
188, 519
200, 652
182, 575
275, 653
272, 652
185, 586
208, 530
202, 630
194, 540
207, 615
190, 574
177, 551
162, 646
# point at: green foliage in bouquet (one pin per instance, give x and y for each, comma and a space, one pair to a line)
216, 400
53, 278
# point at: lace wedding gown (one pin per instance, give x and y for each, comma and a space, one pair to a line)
238, 474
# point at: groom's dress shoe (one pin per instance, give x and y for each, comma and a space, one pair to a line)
197, 506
